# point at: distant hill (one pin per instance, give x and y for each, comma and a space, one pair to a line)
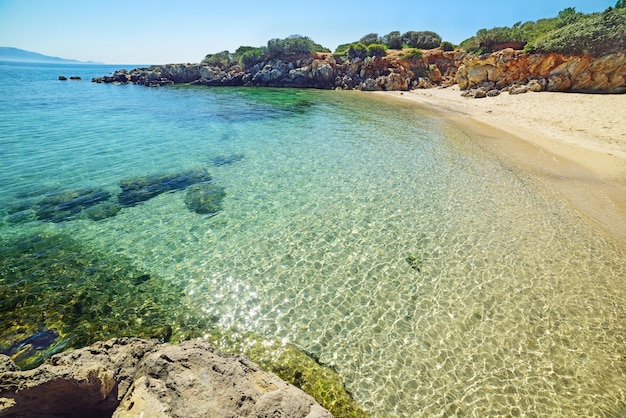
20, 55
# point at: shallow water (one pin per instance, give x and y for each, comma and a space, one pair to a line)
435, 278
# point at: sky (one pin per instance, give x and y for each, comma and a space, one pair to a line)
159, 32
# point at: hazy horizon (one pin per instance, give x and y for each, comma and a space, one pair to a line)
121, 32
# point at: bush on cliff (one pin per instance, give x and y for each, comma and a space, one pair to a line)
596, 35
570, 32
422, 39
293, 45
275, 48
376, 50
394, 40
221, 59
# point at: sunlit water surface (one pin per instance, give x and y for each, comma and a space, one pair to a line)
436, 279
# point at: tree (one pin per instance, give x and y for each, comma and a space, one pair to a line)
620, 4
393, 40
370, 38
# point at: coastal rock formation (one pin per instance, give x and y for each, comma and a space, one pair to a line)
502, 70
129, 377
550, 72
322, 71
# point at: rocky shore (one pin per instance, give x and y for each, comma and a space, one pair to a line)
505, 70
130, 377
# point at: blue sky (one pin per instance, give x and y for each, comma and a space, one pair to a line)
155, 32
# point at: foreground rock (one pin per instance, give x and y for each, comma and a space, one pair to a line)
129, 377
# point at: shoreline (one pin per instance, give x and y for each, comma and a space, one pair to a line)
575, 142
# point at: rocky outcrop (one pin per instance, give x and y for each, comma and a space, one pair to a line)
130, 377
322, 71
509, 69
503, 70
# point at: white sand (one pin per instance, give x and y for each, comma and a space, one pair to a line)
577, 142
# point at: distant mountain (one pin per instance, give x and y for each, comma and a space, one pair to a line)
20, 55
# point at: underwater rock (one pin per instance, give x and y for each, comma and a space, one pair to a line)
128, 377
414, 262
67, 204
226, 160
35, 348
205, 198
140, 189
103, 210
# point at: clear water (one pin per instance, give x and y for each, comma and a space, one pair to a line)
435, 278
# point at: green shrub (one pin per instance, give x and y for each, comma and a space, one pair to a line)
221, 59
357, 50
413, 55
423, 40
447, 46
376, 50
251, 57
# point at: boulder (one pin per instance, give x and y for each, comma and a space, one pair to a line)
519, 89
129, 377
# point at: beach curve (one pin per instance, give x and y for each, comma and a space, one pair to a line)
576, 142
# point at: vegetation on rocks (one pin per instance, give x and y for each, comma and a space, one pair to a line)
570, 32
393, 40
249, 55
596, 35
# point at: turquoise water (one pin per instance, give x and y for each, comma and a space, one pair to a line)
435, 278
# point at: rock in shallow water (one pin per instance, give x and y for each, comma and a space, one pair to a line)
205, 198
140, 189
130, 377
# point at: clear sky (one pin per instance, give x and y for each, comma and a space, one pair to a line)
157, 32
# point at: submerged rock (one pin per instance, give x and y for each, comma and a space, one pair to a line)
225, 159
205, 198
67, 204
131, 377
140, 189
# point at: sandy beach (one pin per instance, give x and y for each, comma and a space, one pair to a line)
575, 142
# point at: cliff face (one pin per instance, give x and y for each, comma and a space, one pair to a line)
501, 70
554, 72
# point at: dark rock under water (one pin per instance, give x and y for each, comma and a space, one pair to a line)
205, 198
140, 189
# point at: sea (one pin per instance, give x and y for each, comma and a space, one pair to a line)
390, 244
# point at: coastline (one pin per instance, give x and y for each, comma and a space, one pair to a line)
575, 142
